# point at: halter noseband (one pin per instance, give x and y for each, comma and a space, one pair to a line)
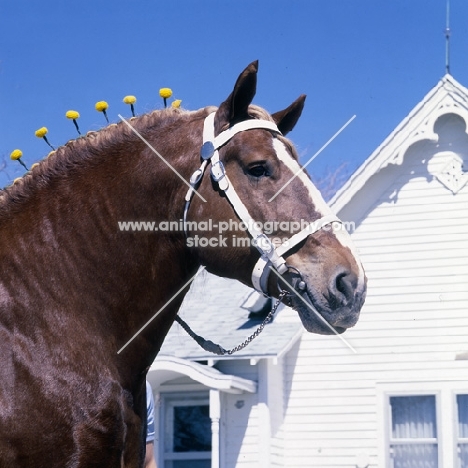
270, 255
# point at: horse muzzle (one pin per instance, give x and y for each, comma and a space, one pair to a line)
333, 313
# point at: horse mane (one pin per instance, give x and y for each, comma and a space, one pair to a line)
83, 150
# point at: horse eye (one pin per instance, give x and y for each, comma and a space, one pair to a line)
257, 171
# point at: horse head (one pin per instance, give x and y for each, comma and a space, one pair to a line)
272, 229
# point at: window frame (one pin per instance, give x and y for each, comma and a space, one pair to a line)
457, 440
391, 441
171, 400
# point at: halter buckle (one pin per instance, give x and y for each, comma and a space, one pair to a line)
218, 174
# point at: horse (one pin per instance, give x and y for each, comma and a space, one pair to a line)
74, 286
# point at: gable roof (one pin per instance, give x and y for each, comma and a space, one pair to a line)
447, 97
213, 308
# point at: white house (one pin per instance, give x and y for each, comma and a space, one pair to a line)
396, 394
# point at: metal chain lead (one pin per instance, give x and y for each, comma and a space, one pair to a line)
214, 348
259, 330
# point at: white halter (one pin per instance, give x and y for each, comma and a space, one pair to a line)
269, 254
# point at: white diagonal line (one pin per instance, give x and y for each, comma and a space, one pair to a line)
160, 310
312, 158
159, 155
314, 311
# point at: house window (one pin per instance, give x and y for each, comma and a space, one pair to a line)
413, 432
462, 410
186, 431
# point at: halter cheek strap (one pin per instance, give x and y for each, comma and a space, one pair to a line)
270, 255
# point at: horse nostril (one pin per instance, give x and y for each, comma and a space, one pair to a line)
342, 287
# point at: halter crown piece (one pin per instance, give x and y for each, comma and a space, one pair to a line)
270, 255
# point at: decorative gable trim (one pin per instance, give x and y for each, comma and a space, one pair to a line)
447, 97
452, 175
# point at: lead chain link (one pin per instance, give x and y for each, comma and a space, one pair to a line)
259, 330
214, 348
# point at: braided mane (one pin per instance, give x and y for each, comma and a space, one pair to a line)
86, 149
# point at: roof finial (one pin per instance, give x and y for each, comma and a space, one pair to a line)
447, 33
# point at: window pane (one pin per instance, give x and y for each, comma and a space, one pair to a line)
192, 429
463, 455
462, 403
414, 456
413, 417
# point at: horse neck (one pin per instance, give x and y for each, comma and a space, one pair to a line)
120, 279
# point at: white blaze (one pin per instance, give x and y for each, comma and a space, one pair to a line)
319, 203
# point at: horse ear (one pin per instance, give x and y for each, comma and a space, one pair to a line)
287, 118
234, 108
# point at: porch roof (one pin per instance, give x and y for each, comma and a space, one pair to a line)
167, 368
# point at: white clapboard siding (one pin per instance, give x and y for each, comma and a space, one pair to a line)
413, 242
239, 421
275, 401
240, 431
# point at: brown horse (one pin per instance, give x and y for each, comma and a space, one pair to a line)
74, 287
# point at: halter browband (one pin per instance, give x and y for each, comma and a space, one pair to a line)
270, 255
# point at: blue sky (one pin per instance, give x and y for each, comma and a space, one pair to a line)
375, 59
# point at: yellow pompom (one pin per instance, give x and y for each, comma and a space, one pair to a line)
16, 154
101, 106
41, 133
176, 104
165, 93
71, 114
129, 99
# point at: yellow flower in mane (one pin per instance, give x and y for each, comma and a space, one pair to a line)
176, 104
16, 154
165, 93
130, 100
41, 133
102, 106
73, 115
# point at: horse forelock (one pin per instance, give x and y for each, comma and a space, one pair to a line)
85, 150
257, 112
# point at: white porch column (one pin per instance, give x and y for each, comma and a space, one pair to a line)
264, 417
215, 415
